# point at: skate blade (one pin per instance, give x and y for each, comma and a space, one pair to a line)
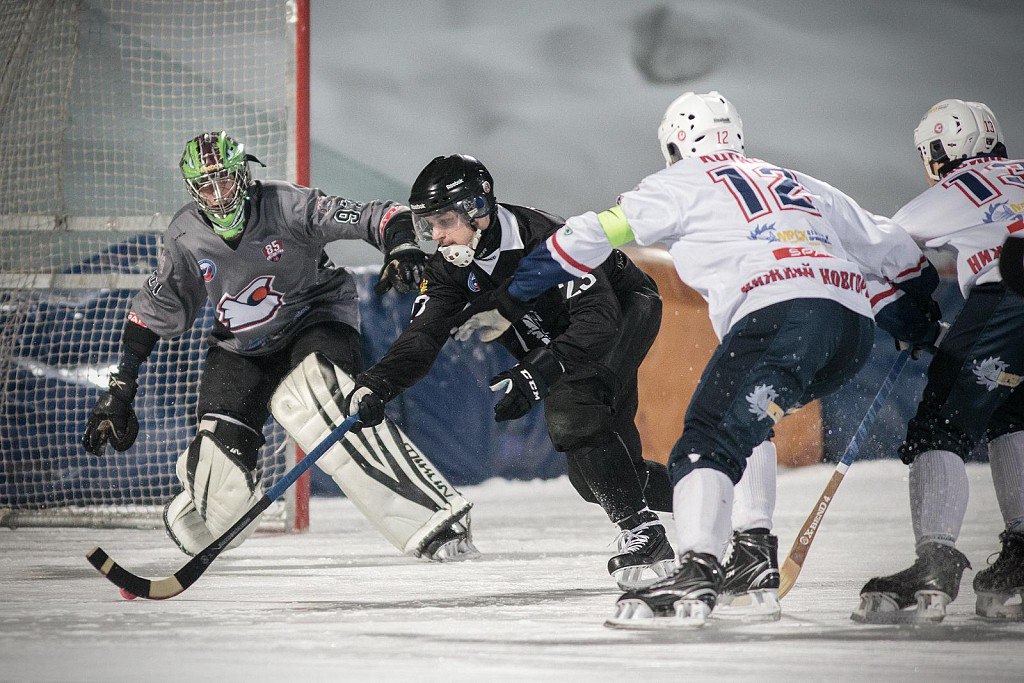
882, 608
635, 615
642, 575
1003, 606
761, 605
456, 550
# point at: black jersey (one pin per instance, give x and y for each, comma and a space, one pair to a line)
579, 320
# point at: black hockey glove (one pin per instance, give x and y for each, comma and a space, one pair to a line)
926, 336
491, 314
369, 406
113, 418
525, 384
403, 269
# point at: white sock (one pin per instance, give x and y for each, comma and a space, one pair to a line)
1006, 455
938, 496
702, 508
754, 505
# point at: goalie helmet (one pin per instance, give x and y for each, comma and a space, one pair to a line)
457, 183
954, 130
699, 124
216, 171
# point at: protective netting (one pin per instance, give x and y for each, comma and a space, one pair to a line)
98, 99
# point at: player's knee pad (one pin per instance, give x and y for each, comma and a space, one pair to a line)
218, 476
380, 470
579, 414
931, 432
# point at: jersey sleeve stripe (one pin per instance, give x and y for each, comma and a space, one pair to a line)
882, 296
568, 263
912, 271
615, 226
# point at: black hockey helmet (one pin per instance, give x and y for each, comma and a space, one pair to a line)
454, 183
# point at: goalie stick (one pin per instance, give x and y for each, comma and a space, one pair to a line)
161, 589
802, 545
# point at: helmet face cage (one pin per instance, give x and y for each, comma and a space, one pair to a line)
216, 172
458, 184
699, 124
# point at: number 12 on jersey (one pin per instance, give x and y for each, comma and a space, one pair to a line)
750, 191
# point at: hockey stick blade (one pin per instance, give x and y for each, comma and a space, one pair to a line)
161, 589
801, 546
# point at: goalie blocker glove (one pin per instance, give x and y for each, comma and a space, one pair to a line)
113, 418
525, 384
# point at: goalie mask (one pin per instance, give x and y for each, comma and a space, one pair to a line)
954, 130
699, 124
216, 171
450, 193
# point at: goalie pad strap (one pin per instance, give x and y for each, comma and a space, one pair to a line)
391, 482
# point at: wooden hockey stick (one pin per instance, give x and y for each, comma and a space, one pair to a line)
161, 589
802, 545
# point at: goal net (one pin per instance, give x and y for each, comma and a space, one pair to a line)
98, 99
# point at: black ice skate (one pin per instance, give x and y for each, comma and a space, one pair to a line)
918, 594
1000, 587
453, 543
751, 586
682, 600
645, 555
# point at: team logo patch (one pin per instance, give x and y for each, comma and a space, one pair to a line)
762, 403
257, 303
208, 269
472, 283
423, 286
273, 251
991, 373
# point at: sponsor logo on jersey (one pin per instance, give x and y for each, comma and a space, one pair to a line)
134, 318
208, 269
273, 251
254, 305
423, 286
472, 283
762, 403
769, 233
991, 373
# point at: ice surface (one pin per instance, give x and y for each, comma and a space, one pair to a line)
338, 603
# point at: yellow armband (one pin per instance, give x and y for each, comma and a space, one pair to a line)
615, 226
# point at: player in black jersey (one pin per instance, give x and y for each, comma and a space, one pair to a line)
579, 347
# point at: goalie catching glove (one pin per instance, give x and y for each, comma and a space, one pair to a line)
526, 384
402, 270
113, 418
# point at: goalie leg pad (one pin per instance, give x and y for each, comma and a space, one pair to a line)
390, 480
220, 487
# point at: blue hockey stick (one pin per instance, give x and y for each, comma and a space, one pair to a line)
161, 589
798, 553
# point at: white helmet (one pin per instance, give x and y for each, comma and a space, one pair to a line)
699, 124
953, 130
992, 134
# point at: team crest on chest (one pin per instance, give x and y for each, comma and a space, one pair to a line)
472, 283
208, 269
273, 251
257, 303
